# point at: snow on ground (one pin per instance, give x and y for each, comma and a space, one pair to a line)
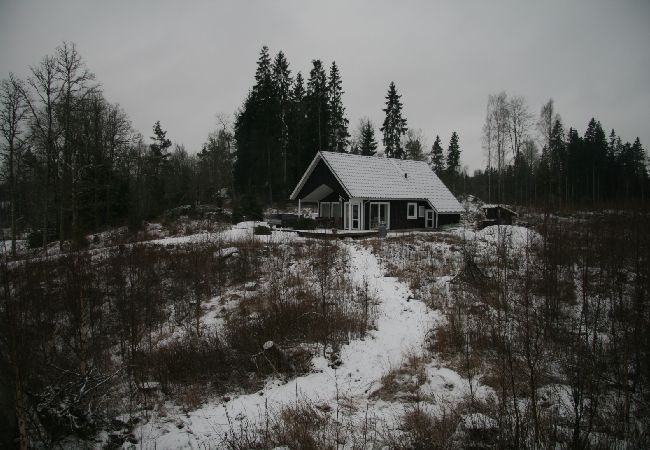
242, 230
401, 328
516, 235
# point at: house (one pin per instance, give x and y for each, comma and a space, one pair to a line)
361, 192
497, 215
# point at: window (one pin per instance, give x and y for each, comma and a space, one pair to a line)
421, 211
412, 211
324, 209
336, 210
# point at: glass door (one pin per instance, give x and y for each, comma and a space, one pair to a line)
351, 215
355, 216
378, 214
428, 218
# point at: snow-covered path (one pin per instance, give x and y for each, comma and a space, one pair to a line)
401, 328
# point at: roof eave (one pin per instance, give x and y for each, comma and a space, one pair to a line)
306, 175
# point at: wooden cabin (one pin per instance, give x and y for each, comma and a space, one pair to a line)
356, 192
498, 215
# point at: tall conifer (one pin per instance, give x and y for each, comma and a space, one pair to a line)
394, 126
437, 157
338, 123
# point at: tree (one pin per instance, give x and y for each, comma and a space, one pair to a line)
155, 170
44, 85
13, 111
258, 134
317, 108
215, 164
414, 145
300, 155
366, 142
394, 125
338, 123
547, 117
75, 88
496, 133
281, 77
520, 119
437, 157
453, 155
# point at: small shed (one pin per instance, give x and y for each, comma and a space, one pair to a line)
498, 215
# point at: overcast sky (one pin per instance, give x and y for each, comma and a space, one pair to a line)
183, 62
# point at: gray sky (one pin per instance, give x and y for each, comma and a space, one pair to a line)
184, 62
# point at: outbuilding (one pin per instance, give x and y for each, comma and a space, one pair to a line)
498, 215
357, 192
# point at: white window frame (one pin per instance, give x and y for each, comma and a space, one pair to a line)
415, 210
421, 211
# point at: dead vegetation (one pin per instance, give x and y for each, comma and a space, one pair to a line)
552, 325
196, 320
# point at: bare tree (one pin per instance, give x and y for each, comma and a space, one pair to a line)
496, 133
520, 121
45, 86
547, 117
12, 114
75, 79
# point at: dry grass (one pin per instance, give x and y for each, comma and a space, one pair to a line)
403, 383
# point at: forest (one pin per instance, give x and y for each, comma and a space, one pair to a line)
129, 317
72, 162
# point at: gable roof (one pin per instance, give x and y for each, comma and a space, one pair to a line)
385, 178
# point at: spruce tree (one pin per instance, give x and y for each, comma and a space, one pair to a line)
281, 78
299, 153
437, 157
156, 170
453, 155
338, 123
263, 83
256, 134
317, 108
394, 125
557, 157
367, 143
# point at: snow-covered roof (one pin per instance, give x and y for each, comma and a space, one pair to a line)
491, 206
385, 178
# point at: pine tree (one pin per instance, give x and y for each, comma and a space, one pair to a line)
367, 143
453, 155
394, 125
338, 123
437, 159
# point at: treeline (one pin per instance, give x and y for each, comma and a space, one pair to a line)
283, 123
539, 162
72, 161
